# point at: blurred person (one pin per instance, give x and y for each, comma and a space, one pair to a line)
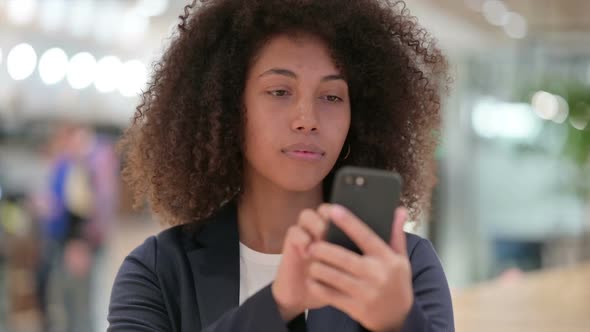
84, 196
251, 110
92, 201
93, 192
50, 210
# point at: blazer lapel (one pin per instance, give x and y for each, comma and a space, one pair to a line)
215, 263
216, 266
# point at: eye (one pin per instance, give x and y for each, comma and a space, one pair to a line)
332, 99
278, 93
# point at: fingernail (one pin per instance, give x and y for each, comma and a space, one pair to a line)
338, 211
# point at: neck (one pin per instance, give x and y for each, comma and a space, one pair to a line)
266, 211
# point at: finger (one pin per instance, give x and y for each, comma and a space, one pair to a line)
337, 279
311, 222
398, 236
298, 239
338, 257
324, 211
369, 242
331, 296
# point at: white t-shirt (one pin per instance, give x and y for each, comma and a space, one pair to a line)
257, 270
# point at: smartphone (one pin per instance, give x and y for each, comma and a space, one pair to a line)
371, 194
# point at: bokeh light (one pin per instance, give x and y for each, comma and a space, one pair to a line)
21, 61
81, 70
516, 26
545, 105
495, 12
579, 123
107, 74
563, 110
133, 78
53, 66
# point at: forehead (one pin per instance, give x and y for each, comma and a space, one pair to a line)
300, 51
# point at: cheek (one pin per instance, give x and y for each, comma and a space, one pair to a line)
338, 124
261, 133
254, 128
266, 122
346, 122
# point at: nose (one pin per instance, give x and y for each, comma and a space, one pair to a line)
306, 119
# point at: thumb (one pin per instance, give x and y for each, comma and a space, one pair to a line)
398, 236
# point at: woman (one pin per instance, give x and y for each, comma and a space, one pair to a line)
252, 108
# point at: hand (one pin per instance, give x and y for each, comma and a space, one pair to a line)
289, 288
375, 289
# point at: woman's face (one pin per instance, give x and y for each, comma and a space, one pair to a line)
297, 113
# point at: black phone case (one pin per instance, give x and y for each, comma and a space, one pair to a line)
374, 202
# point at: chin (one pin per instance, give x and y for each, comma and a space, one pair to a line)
291, 176
298, 182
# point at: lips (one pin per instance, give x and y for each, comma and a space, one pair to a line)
304, 151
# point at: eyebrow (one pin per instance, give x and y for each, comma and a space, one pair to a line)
290, 74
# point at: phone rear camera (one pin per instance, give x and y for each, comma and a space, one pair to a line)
359, 181
348, 179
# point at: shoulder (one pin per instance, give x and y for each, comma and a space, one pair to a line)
148, 290
161, 249
418, 246
432, 299
422, 254
412, 241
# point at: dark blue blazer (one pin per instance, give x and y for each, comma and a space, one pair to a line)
183, 280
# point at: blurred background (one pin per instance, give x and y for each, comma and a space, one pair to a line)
511, 211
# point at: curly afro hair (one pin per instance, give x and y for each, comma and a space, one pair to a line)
183, 149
